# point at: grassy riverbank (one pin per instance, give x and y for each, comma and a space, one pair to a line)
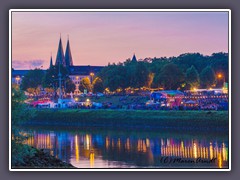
179, 120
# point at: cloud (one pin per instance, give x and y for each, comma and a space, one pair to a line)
27, 64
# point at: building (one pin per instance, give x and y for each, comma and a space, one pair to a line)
17, 76
76, 73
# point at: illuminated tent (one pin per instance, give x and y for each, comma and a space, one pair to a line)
172, 97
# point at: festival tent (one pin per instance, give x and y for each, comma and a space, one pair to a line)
172, 97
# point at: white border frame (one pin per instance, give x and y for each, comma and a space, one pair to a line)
119, 10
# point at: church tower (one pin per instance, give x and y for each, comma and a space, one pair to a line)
134, 59
68, 55
60, 56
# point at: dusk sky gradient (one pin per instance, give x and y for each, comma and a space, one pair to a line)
97, 38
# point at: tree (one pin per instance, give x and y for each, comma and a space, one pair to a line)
207, 77
114, 77
170, 77
192, 77
98, 85
32, 79
219, 63
150, 79
70, 86
185, 61
49, 90
85, 84
137, 74
51, 80
19, 114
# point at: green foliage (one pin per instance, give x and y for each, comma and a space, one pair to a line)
50, 79
70, 86
167, 72
207, 77
20, 113
170, 77
98, 85
192, 77
219, 63
32, 79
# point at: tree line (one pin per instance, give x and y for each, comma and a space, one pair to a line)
190, 70
186, 71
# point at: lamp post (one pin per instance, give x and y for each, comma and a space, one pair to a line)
60, 85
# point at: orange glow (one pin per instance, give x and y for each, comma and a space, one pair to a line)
92, 159
219, 160
219, 75
76, 149
211, 150
107, 142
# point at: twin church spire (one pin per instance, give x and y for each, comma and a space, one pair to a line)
65, 60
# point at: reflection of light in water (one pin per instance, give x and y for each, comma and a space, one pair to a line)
107, 142
168, 147
127, 145
87, 142
92, 159
219, 160
207, 153
112, 143
168, 142
119, 144
211, 150
162, 142
195, 150
225, 152
182, 149
76, 148
147, 142
141, 146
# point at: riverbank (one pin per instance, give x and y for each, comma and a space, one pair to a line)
40, 159
134, 119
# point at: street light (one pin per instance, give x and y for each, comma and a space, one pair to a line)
17, 79
221, 76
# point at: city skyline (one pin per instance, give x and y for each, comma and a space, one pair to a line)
99, 38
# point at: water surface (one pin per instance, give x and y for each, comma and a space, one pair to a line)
132, 149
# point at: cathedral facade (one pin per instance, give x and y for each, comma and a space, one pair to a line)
76, 73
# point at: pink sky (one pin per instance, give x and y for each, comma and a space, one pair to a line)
97, 38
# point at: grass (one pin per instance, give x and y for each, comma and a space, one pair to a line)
115, 100
135, 119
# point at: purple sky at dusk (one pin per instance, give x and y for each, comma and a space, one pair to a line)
97, 38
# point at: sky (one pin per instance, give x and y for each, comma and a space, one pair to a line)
99, 38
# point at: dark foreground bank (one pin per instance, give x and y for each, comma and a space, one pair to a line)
179, 120
40, 159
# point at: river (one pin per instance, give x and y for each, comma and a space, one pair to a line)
104, 148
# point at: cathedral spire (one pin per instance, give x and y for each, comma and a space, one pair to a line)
60, 56
68, 55
51, 63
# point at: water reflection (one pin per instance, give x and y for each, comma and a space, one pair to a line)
96, 150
